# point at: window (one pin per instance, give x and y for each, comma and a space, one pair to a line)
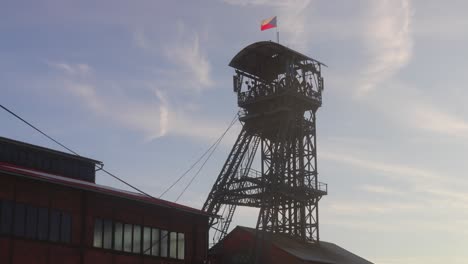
180, 246
164, 243
173, 244
65, 228
136, 239
6, 215
43, 224
155, 242
54, 231
34, 222
127, 238
146, 240
97, 242
20, 219
31, 222
107, 237
118, 236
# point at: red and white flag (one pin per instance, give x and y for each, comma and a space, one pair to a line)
268, 23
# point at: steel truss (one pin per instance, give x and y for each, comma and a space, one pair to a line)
279, 124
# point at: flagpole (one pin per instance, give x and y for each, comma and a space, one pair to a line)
277, 32
277, 35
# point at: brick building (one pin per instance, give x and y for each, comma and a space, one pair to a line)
52, 211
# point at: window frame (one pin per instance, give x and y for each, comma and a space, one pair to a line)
107, 244
181, 257
158, 240
124, 238
33, 222
147, 245
17, 221
99, 235
114, 235
7, 216
156, 244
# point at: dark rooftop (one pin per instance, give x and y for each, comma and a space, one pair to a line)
266, 59
48, 160
323, 252
4, 140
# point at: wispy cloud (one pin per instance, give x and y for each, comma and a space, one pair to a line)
186, 69
388, 41
417, 110
154, 116
80, 69
188, 56
342, 207
192, 67
414, 190
150, 118
393, 170
381, 190
428, 117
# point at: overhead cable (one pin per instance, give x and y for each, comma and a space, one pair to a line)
201, 157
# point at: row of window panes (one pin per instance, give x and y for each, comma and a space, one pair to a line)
33, 222
137, 239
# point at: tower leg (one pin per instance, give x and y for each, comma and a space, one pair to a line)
228, 173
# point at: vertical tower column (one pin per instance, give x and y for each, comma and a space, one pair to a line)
279, 91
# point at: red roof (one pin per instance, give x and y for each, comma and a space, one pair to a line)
322, 252
84, 185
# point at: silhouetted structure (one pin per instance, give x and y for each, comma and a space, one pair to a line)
235, 248
53, 212
279, 91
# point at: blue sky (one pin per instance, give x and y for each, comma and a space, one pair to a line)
144, 86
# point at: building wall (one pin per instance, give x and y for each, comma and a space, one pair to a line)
84, 207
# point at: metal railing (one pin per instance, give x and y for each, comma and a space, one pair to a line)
262, 90
252, 173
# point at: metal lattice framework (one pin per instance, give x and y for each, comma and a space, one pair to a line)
279, 91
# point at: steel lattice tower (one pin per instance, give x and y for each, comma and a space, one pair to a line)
279, 91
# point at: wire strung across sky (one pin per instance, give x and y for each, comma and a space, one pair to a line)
70, 150
212, 148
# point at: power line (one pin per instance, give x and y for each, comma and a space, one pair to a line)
72, 151
38, 130
201, 157
216, 144
212, 147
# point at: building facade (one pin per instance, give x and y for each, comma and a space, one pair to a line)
52, 211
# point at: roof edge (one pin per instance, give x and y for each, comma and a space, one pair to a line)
49, 150
19, 171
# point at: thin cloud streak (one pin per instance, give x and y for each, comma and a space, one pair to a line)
389, 42
392, 170
154, 118
137, 116
79, 69
191, 72
189, 58
192, 68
